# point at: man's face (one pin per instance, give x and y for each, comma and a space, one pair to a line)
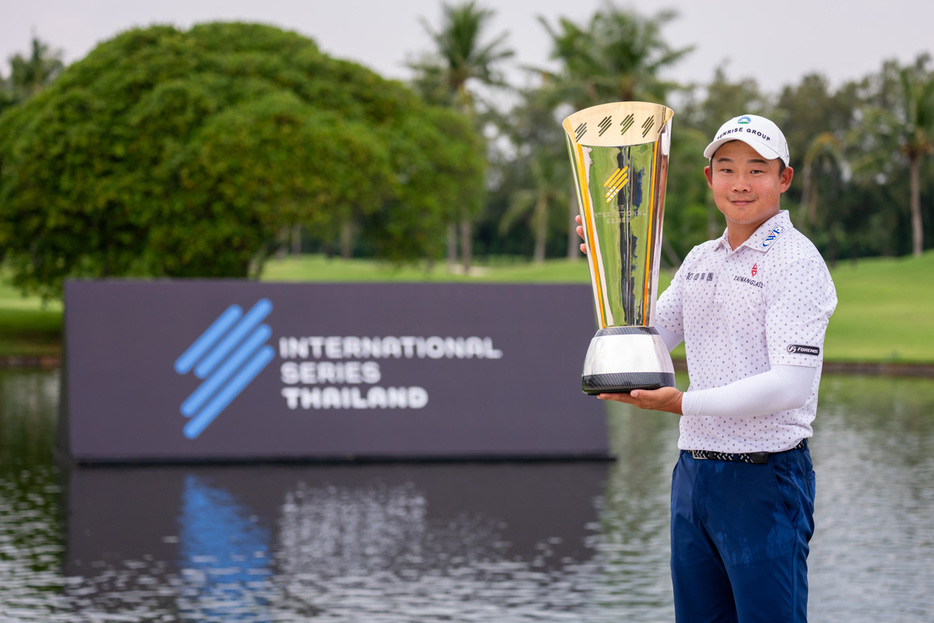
746, 187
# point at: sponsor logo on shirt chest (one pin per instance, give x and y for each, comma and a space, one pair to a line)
749, 281
708, 276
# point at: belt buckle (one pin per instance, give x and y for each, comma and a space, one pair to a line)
700, 455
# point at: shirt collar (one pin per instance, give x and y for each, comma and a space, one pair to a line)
765, 236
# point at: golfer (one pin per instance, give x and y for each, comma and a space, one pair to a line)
752, 307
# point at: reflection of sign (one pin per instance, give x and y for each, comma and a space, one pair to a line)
217, 532
219, 542
362, 370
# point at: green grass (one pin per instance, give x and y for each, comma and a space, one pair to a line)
27, 327
885, 311
318, 268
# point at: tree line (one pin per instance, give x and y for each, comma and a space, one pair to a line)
176, 153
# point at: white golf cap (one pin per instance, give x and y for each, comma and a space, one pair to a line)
758, 132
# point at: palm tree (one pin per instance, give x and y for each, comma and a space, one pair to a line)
547, 187
917, 91
898, 126
29, 75
462, 57
617, 56
825, 147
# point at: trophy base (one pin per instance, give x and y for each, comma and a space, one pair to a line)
621, 359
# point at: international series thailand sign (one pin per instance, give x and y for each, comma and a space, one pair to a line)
240, 370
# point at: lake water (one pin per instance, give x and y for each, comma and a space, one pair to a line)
472, 542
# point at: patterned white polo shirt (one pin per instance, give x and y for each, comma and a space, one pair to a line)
742, 311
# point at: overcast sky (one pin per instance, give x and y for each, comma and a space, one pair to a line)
776, 42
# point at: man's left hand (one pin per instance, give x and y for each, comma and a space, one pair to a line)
661, 399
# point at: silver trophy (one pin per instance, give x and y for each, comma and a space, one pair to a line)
619, 156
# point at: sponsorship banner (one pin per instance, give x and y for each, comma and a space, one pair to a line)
240, 370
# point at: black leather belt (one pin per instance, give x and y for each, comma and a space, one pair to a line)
757, 458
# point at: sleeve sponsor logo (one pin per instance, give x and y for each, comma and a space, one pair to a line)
800, 349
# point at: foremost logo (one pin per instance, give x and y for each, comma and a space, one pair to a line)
798, 349
227, 356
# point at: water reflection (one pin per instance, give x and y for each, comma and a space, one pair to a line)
252, 543
873, 553
469, 542
224, 553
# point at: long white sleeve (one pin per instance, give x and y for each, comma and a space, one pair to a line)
781, 388
671, 338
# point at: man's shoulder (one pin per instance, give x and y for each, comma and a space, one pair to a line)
793, 246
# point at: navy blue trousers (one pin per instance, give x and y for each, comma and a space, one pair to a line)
739, 539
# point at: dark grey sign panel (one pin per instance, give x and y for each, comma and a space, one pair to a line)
220, 370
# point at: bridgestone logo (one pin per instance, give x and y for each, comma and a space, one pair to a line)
797, 349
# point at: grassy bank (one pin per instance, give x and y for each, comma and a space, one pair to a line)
27, 327
885, 311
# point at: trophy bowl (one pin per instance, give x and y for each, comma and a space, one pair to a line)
619, 159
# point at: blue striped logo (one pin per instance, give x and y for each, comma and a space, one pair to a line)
227, 356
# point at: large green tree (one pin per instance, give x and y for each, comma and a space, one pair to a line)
185, 153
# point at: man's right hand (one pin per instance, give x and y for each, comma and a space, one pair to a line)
580, 232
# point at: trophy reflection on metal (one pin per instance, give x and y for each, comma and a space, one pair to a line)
619, 156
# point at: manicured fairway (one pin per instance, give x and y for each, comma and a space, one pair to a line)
885, 311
